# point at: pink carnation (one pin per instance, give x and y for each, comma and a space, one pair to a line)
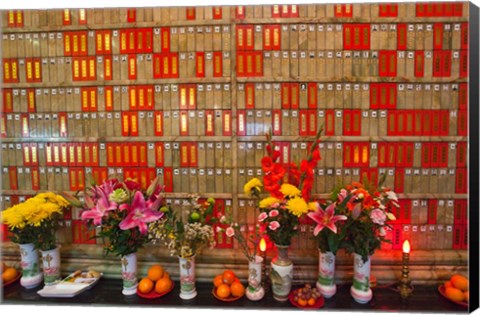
273, 213
378, 216
274, 225
262, 216
229, 231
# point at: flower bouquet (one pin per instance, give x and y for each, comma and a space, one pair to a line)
186, 233
329, 231
289, 187
369, 210
122, 212
34, 224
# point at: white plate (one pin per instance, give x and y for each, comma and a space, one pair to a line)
68, 289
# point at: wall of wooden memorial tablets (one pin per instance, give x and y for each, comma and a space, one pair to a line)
187, 93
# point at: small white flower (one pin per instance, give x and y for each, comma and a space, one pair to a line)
390, 216
391, 195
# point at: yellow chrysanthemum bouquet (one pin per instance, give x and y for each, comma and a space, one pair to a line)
36, 220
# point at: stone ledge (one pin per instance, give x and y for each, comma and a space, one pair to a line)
426, 266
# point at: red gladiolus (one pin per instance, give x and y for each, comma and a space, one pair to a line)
275, 155
278, 172
267, 164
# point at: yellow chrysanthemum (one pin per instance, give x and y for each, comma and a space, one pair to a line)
312, 206
290, 191
13, 219
252, 186
267, 202
297, 206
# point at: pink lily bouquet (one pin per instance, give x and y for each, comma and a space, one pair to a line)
330, 226
123, 211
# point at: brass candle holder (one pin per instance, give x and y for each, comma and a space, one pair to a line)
405, 287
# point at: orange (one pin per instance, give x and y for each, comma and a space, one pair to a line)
236, 280
166, 274
460, 282
311, 301
228, 277
302, 302
145, 286
237, 289
223, 291
9, 274
466, 296
155, 273
448, 284
454, 294
163, 285
218, 280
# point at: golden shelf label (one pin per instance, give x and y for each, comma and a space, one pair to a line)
66, 15
83, 43
67, 44
134, 150
143, 155
56, 154
107, 41
183, 123
80, 155
93, 100
141, 98
38, 73
14, 70
75, 43
6, 70
11, 17
48, 153
84, 70
29, 70
99, 41
123, 40
184, 155
26, 155
94, 154
133, 98
133, 120
34, 154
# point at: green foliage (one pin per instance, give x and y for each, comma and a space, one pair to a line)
117, 241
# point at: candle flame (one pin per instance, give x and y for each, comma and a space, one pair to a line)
263, 245
406, 247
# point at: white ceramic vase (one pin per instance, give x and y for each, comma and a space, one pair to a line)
51, 266
30, 264
187, 277
129, 274
255, 291
326, 274
360, 289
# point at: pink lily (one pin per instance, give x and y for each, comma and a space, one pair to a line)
138, 214
100, 209
326, 219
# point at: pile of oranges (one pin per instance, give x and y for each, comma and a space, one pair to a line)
157, 280
8, 273
456, 289
228, 286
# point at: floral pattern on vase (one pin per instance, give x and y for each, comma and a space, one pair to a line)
255, 291
187, 278
326, 274
360, 289
129, 274
30, 264
51, 266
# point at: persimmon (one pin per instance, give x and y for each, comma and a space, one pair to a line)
228, 277
223, 291
237, 289
145, 286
